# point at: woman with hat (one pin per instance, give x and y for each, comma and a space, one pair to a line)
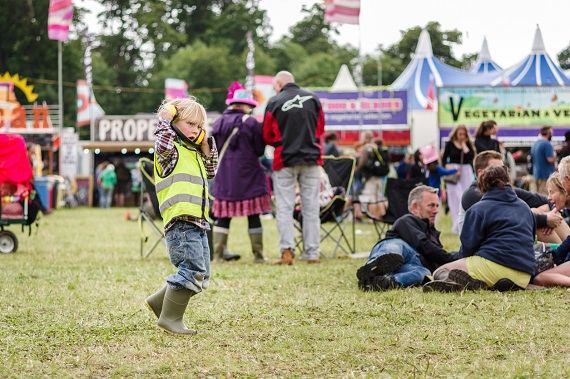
240, 187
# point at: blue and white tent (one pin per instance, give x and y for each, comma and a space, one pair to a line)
425, 71
484, 64
535, 70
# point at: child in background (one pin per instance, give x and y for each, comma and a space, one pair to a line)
435, 171
184, 161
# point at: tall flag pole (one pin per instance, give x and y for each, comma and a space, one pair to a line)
60, 15
250, 63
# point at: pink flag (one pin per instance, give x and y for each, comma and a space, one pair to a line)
342, 11
176, 88
59, 19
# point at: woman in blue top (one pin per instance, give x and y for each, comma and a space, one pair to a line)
496, 240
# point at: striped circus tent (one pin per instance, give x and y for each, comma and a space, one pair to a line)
537, 69
424, 71
484, 64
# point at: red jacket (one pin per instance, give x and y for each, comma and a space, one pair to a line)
294, 124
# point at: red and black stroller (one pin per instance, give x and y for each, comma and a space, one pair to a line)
16, 189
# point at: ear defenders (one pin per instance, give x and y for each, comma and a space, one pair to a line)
193, 143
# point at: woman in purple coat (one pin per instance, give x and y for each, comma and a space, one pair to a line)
240, 186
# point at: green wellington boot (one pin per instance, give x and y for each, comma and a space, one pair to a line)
257, 247
171, 317
220, 243
154, 301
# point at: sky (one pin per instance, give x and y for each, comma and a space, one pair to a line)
508, 25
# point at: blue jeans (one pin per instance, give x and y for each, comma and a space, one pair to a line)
189, 252
107, 197
412, 272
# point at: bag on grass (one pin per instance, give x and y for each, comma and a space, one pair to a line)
543, 256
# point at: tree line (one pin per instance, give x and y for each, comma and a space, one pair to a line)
141, 43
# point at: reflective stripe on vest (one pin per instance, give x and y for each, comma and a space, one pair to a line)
182, 193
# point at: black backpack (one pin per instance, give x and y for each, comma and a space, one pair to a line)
378, 163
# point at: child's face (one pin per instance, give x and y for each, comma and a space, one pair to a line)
557, 197
189, 129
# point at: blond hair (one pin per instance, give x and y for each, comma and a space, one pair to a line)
555, 182
189, 109
564, 168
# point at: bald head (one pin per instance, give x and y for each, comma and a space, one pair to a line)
282, 78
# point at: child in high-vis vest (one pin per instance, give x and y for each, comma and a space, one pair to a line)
184, 160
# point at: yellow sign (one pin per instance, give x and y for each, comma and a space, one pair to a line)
22, 84
12, 114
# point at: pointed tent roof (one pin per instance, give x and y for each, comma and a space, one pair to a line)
537, 69
484, 62
344, 81
423, 66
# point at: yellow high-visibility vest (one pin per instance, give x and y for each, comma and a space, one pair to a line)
185, 190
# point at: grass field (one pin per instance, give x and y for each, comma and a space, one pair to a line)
72, 307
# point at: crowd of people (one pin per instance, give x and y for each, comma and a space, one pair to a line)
497, 223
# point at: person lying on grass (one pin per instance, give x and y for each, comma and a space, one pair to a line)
411, 249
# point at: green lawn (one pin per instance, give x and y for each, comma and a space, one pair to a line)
72, 307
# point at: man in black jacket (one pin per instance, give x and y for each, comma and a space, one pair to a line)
294, 123
411, 249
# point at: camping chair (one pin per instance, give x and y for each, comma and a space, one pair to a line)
148, 215
397, 192
336, 217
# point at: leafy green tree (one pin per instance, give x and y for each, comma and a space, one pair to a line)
564, 58
396, 57
320, 70
311, 32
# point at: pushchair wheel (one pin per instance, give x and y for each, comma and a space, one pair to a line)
8, 242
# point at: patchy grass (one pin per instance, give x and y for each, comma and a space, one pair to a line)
72, 306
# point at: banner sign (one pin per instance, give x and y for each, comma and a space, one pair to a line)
125, 129
345, 110
262, 92
508, 106
68, 153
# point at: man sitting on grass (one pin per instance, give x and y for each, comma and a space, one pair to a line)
411, 249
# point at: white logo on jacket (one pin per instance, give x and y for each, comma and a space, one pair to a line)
296, 102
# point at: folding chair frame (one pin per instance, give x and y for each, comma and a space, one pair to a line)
337, 213
146, 222
392, 214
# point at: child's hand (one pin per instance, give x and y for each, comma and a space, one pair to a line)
206, 147
165, 114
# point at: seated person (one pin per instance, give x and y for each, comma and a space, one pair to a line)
373, 165
497, 239
550, 228
326, 194
560, 274
411, 249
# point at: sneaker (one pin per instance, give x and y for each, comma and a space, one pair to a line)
467, 281
382, 265
286, 258
380, 283
312, 261
504, 285
442, 286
